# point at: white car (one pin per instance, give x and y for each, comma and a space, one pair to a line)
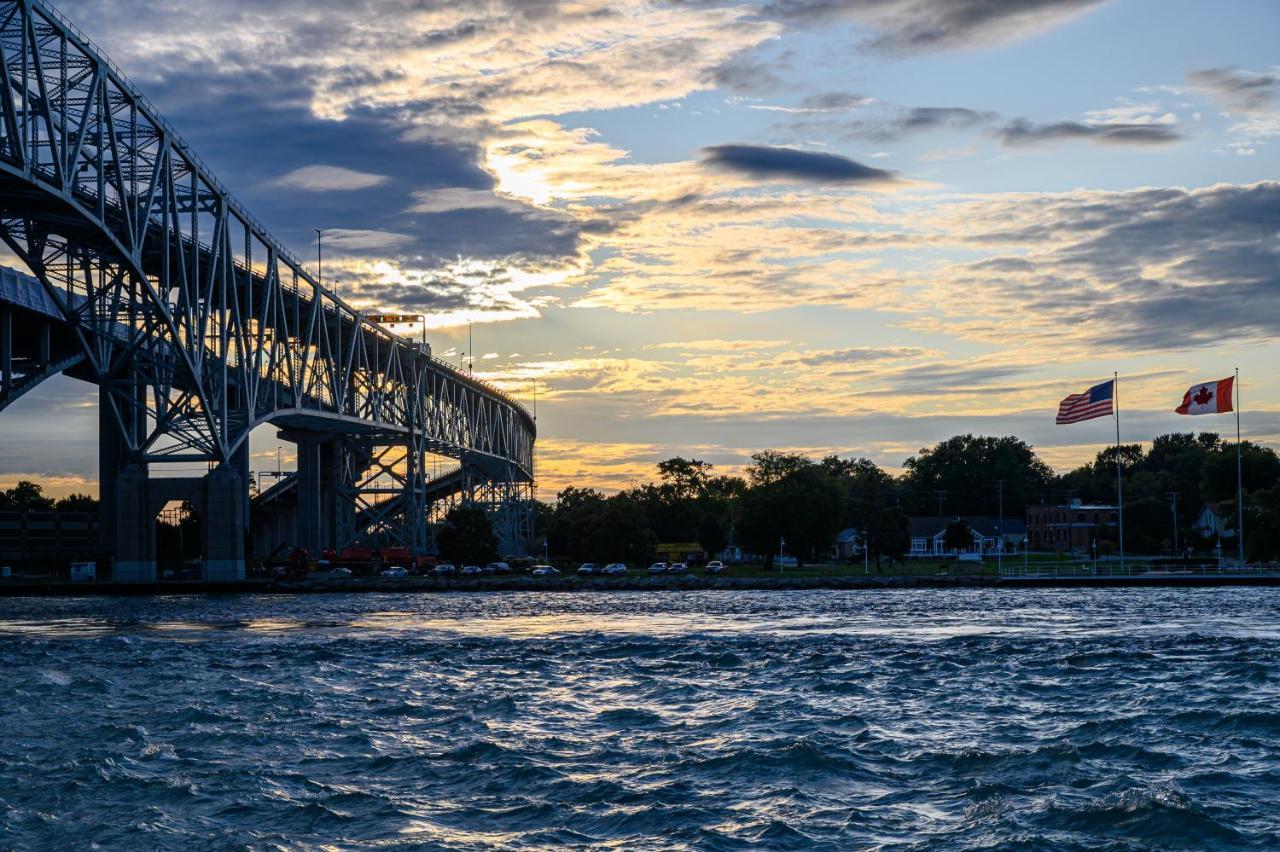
677, 568
472, 570
444, 568
614, 569
340, 571
715, 566
544, 571
394, 571
588, 568
658, 568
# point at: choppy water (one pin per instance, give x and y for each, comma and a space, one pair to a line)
720, 720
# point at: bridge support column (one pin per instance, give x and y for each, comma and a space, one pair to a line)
310, 496
134, 529
113, 456
225, 508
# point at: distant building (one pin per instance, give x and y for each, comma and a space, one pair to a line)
1072, 527
47, 539
1214, 520
848, 543
929, 534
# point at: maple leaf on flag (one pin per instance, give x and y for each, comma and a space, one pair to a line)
1203, 397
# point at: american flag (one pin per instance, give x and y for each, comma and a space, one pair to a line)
1095, 402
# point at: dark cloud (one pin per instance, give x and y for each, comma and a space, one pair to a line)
1240, 91
1157, 269
855, 355
906, 122
1021, 132
834, 102
768, 162
918, 26
744, 74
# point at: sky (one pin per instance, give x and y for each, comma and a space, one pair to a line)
708, 228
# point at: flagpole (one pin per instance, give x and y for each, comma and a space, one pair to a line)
1239, 476
1115, 392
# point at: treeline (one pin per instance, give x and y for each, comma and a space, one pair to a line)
784, 497
806, 502
29, 495
1199, 469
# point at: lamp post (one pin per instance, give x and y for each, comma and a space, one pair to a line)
1000, 529
319, 260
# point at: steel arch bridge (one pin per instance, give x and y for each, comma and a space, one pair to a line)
197, 325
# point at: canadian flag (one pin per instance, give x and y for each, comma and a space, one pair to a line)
1208, 398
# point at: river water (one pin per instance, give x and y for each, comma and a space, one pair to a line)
915, 719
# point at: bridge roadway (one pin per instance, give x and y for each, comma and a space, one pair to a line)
154, 283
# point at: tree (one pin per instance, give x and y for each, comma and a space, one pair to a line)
958, 536
26, 495
77, 503
1260, 466
467, 537
618, 533
790, 497
712, 535
871, 499
966, 467
687, 478
772, 466
575, 512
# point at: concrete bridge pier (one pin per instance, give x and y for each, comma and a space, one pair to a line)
226, 508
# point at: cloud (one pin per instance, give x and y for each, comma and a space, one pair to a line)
920, 26
1142, 270
1238, 91
827, 102
328, 179
363, 239
719, 345
1251, 96
856, 355
907, 121
1021, 133
766, 162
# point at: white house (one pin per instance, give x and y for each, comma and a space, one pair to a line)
928, 536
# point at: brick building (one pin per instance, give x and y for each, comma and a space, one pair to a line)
1072, 527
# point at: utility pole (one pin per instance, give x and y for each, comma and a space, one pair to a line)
1000, 529
1173, 505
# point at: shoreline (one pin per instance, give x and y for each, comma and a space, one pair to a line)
431, 585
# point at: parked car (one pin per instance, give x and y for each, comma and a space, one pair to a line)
395, 571
340, 571
614, 568
715, 566
444, 568
544, 571
588, 568
497, 568
472, 570
677, 568
658, 568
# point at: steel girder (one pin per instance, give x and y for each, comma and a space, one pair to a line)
198, 323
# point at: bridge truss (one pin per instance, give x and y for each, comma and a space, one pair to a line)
197, 325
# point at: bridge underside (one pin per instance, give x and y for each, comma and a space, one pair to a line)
352, 486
